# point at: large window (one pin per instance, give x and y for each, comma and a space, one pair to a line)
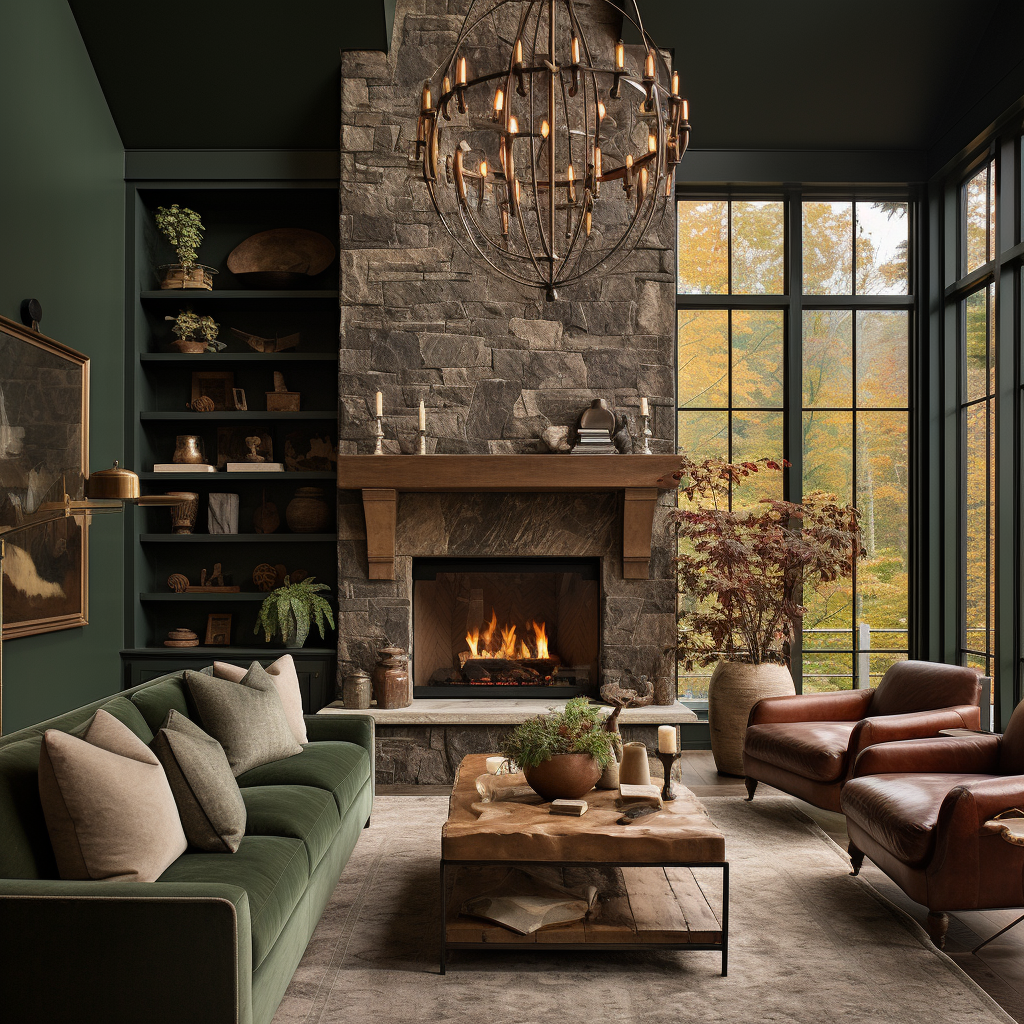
746, 336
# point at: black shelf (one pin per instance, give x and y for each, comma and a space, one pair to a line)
201, 598
251, 415
239, 538
259, 295
238, 357
276, 477
230, 652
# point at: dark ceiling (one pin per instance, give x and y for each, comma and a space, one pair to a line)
793, 74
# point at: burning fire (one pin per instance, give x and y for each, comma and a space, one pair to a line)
482, 644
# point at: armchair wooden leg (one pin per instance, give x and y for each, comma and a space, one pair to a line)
856, 858
751, 785
937, 926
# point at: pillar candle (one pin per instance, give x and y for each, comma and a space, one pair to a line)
634, 769
423, 417
494, 765
643, 407
380, 404
667, 743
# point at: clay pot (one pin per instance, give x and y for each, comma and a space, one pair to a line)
391, 687
735, 687
355, 689
308, 512
189, 450
183, 516
564, 776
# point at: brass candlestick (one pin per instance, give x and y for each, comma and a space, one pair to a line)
668, 763
421, 442
378, 432
645, 435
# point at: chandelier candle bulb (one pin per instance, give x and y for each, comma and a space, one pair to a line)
675, 85
652, 143
545, 129
427, 105
620, 56
686, 110
649, 66
460, 77
571, 176
513, 125
499, 103
668, 740
574, 48
519, 51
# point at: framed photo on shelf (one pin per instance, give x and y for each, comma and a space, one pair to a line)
218, 630
44, 450
217, 385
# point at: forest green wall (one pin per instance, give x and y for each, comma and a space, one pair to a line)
62, 242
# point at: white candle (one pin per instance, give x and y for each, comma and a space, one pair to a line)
494, 765
643, 407
423, 417
380, 404
667, 743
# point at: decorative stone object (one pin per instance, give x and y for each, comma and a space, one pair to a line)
391, 684
181, 638
183, 516
664, 691
356, 689
308, 512
189, 450
556, 438
222, 513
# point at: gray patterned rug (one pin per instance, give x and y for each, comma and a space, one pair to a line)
808, 943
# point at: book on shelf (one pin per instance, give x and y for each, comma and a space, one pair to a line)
255, 467
182, 467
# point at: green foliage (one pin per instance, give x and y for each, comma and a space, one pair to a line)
299, 602
575, 730
184, 230
188, 324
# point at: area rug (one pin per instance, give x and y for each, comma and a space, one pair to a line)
808, 943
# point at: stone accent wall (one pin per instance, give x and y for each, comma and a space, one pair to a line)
493, 361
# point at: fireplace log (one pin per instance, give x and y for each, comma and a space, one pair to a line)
484, 669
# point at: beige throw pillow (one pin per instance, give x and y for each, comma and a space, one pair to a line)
286, 679
107, 803
246, 718
209, 801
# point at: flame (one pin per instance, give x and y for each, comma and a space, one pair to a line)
508, 642
524, 651
542, 639
489, 631
473, 639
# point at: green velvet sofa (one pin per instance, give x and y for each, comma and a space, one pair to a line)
218, 936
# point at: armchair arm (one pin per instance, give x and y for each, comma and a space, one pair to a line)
839, 706
358, 729
909, 726
956, 755
126, 946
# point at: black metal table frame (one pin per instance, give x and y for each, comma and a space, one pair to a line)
722, 946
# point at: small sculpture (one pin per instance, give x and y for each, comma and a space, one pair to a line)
177, 582
253, 444
637, 696
265, 577
181, 638
204, 403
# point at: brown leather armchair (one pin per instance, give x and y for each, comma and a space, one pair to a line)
806, 744
918, 809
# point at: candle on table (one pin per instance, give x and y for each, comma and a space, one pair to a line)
644, 411
423, 417
494, 765
380, 404
667, 742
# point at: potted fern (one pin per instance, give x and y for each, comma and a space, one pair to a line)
562, 754
194, 333
183, 228
290, 610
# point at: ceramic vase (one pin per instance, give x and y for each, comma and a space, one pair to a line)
564, 776
391, 687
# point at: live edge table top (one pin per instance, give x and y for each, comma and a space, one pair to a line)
513, 831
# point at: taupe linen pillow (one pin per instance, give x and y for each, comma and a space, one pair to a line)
107, 803
209, 802
246, 718
286, 679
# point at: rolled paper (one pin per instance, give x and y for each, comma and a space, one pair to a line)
494, 765
380, 404
634, 769
644, 411
667, 742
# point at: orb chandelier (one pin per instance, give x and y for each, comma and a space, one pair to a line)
554, 163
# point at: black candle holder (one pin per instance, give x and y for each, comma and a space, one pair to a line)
668, 763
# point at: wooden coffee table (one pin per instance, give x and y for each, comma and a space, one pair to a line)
649, 895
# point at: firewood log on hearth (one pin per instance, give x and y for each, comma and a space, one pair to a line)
482, 669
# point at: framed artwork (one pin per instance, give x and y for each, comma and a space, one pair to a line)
216, 385
309, 450
218, 630
44, 445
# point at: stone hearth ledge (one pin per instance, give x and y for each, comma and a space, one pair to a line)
501, 711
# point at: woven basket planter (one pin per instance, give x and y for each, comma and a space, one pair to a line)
734, 689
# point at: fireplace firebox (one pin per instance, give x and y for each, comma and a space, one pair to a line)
506, 627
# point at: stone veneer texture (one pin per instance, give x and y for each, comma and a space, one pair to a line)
494, 363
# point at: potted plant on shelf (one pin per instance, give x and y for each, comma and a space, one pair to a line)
187, 325
290, 610
562, 754
184, 229
742, 574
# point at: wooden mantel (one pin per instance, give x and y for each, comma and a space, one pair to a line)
381, 477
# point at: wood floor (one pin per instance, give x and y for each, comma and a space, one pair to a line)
998, 968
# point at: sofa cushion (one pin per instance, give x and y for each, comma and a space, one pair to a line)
900, 811
812, 750
108, 807
125, 711
246, 717
154, 702
286, 679
300, 812
273, 870
209, 802
25, 847
340, 768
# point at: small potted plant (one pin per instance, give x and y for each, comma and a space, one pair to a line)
742, 574
289, 611
194, 333
184, 229
562, 754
